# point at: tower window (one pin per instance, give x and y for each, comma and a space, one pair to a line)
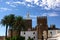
34, 37
33, 32
50, 32
24, 32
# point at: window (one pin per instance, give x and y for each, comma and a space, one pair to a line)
34, 37
29, 37
24, 32
50, 32
33, 32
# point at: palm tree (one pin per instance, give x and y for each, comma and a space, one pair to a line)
19, 24
8, 21
11, 21
5, 22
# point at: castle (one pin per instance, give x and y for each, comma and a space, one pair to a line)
40, 32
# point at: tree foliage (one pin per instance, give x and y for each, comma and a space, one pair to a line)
16, 38
30, 38
14, 23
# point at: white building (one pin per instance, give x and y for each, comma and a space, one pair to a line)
31, 34
54, 34
55, 37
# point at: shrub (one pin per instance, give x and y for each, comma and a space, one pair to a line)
16, 38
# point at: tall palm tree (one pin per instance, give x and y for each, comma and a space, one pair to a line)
8, 21
19, 24
11, 21
5, 22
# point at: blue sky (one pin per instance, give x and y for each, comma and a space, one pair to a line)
49, 8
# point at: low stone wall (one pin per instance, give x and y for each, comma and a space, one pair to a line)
2, 37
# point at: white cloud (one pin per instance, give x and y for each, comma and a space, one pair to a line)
7, 2
4, 9
18, 2
50, 14
53, 14
50, 4
46, 4
32, 1
15, 3
28, 0
29, 5
35, 1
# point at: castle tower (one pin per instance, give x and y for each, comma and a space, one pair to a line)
28, 22
42, 28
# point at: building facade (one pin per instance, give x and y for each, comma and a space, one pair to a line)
40, 32
29, 34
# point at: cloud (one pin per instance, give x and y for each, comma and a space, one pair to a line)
50, 4
28, 0
4, 9
29, 5
53, 14
18, 2
10, 4
7, 2
45, 4
31, 1
15, 3
50, 14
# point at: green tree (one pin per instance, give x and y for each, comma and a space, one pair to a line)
5, 22
11, 23
14, 23
8, 21
30, 38
19, 24
16, 38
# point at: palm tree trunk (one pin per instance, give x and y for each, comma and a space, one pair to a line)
19, 32
11, 32
6, 32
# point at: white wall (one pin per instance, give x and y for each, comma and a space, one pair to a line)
54, 32
30, 34
55, 35
58, 38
